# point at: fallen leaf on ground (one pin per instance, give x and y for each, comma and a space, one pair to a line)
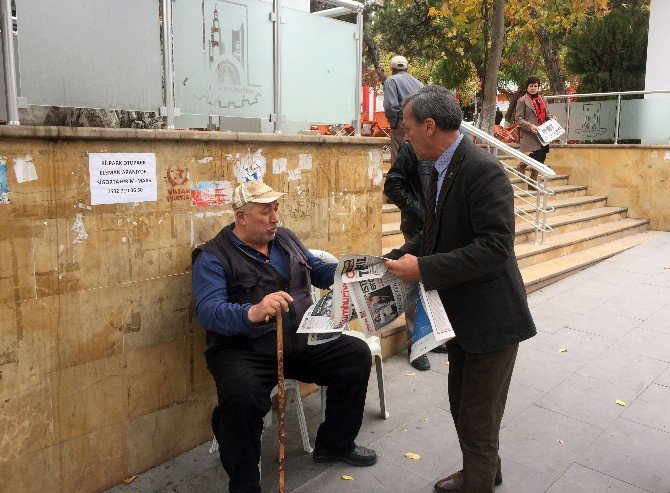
413, 456
413, 374
348, 478
562, 350
130, 479
620, 403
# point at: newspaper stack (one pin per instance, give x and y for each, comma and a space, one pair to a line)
365, 289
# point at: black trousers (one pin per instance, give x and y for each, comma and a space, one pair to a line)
244, 379
478, 386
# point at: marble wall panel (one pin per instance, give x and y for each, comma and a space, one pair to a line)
636, 177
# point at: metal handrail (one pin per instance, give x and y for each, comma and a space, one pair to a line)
594, 94
618, 96
489, 139
538, 217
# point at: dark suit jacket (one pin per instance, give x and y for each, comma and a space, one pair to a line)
472, 262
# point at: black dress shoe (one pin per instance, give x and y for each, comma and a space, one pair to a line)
441, 349
421, 363
359, 456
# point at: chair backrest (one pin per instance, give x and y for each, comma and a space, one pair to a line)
326, 257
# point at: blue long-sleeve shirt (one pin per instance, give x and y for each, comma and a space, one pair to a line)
210, 290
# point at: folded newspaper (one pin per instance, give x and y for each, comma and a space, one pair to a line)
549, 131
365, 289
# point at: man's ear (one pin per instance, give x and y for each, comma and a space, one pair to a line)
430, 126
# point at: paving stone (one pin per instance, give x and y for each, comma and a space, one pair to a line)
647, 343
615, 274
641, 303
633, 453
581, 346
587, 399
542, 371
664, 378
299, 469
548, 319
519, 398
546, 440
383, 476
571, 302
432, 435
518, 477
602, 323
659, 279
651, 408
659, 321
548, 292
621, 367
579, 479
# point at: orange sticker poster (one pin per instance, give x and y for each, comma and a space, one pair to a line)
211, 193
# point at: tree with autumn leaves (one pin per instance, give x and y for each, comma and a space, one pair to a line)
493, 44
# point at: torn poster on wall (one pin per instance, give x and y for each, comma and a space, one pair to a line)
211, 193
119, 178
4, 183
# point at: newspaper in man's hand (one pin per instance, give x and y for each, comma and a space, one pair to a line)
431, 324
369, 291
365, 289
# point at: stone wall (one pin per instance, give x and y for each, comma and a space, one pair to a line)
102, 373
637, 177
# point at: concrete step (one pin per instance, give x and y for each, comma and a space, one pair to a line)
570, 204
557, 245
390, 213
573, 221
553, 181
560, 192
391, 234
562, 223
542, 274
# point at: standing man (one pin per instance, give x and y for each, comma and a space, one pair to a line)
406, 186
466, 252
250, 273
396, 88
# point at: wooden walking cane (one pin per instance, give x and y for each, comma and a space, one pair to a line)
281, 398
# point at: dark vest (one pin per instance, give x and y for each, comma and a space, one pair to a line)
249, 279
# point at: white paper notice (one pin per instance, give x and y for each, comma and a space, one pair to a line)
119, 178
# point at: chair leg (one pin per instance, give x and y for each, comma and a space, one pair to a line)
380, 386
324, 389
302, 422
214, 447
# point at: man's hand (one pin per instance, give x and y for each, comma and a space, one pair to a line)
270, 306
405, 268
533, 128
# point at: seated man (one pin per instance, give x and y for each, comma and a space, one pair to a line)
251, 271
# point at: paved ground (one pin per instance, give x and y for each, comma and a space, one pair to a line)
563, 431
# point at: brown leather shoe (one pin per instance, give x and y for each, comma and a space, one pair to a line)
454, 483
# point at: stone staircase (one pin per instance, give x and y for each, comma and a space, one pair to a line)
586, 231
